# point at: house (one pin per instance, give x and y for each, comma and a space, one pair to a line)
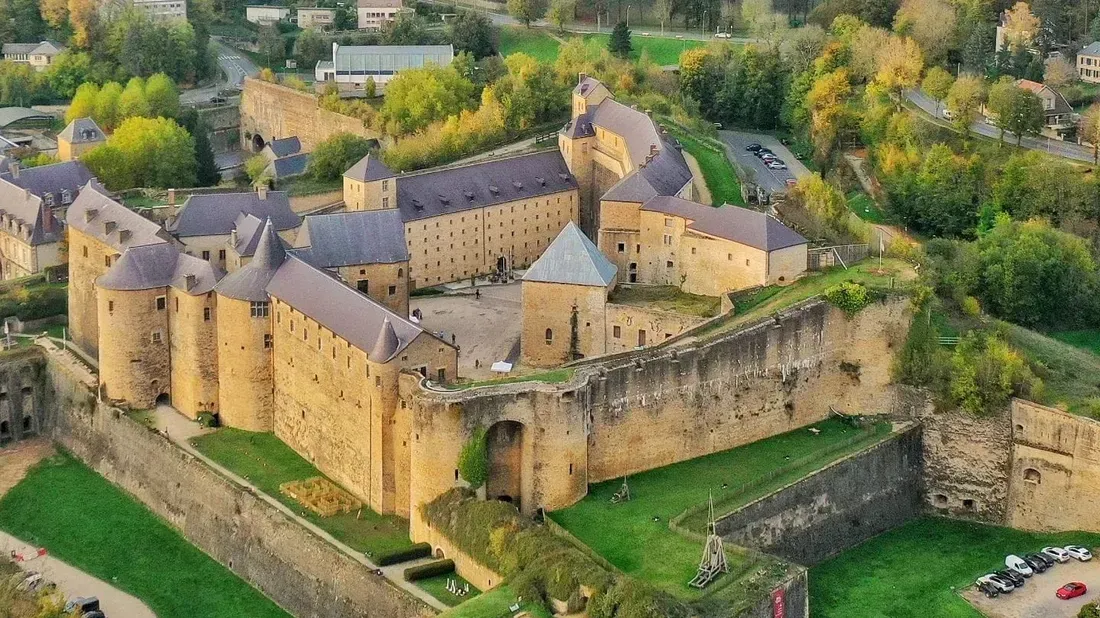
353, 64
1058, 116
78, 137
38, 55
266, 14
372, 14
57, 184
163, 10
287, 167
1088, 63
284, 147
316, 18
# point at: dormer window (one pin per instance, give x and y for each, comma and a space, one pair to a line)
469, 195
493, 189
518, 185
444, 199
48, 198
66, 196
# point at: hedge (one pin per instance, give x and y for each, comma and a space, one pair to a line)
424, 571
34, 303
417, 551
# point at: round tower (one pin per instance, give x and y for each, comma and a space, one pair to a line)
193, 322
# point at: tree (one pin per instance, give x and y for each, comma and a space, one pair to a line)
206, 171
162, 96
619, 43
336, 154
473, 32
271, 44
931, 23
937, 84
345, 18
1032, 184
83, 103
132, 101
965, 99
561, 12
68, 70
1059, 72
407, 29
106, 112
83, 15
978, 52
826, 101
899, 64
312, 48
663, 11
145, 152
1021, 26
986, 373
802, 46
526, 11
1090, 130
55, 13
700, 78
1015, 110
256, 170
417, 97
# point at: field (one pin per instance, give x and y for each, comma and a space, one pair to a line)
543, 44
913, 571
662, 51
635, 536
267, 463
865, 208
89, 523
1068, 371
717, 171
531, 41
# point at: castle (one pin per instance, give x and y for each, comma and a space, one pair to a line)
301, 328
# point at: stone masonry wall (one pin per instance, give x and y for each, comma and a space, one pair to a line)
790, 600
273, 111
837, 507
299, 571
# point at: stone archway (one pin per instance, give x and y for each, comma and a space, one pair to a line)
258, 142
506, 465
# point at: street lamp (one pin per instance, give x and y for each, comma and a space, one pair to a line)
704, 29
628, 16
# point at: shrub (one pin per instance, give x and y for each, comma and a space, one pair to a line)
336, 154
420, 550
34, 303
1092, 610
986, 372
424, 571
849, 296
473, 461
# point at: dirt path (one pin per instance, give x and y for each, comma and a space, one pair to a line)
702, 193
16, 459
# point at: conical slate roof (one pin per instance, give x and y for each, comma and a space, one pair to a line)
250, 282
387, 345
572, 259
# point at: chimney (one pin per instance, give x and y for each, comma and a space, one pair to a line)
582, 76
13, 166
47, 221
109, 226
233, 237
123, 235
189, 282
90, 214
261, 191
171, 197
653, 150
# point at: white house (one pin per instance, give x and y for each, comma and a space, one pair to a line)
353, 64
372, 14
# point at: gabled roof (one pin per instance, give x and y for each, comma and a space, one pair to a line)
214, 214
284, 147
586, 86
578, 127
740, 225
368, 58
53, 179
1093, 49
250, 281
289, 166
350, 314
155, 266
353, 238
11, 115
26, 208
96, 214
450, 190
368, 169
632, 125
666, 174
47, 48
1061, 105
82, 131
572, 259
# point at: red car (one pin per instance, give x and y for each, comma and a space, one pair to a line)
1071, 590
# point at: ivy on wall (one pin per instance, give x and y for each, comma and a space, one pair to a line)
473, 461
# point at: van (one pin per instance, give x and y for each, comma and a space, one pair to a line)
1018, 564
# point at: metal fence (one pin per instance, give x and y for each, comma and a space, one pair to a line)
820, 258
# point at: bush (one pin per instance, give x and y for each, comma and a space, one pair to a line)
473, 461
336, 154
424, 571
1092, 610
34, 303
420, 550
849, 296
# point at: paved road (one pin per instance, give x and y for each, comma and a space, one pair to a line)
1055, 147
234, 66
771, 180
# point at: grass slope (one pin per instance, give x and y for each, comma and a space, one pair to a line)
627, 535
544, 45
493, 604
865, 208
267, 463
1069, 373
1084, 339
532, 41
718, 173
667, 298
89, 523
910, 572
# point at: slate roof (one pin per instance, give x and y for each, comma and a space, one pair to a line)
373, 59
284, 147
1061, 105
740, 225
632, 125
434, 193
1093, 49
214, 214
585, 86
352, 315
27, 208
353, 238
368, 168
581, 126
289, 166
81, 131
250, 281
572, 259
93, 209
52, 180
154, 266
666, 174
47, 47
248, 234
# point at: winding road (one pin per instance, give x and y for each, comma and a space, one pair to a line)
234, 66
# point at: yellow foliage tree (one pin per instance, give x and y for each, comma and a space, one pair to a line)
1021, 26
899, 65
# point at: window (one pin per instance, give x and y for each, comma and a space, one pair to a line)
48, 198
669, 222
385, 202
622, 247
441, 375
107, 261
616, 332
161, 303
258, 309
206, 255
385, 185
206, 314
66, 196
267, 342
729, 256
693, 250
156, 336
549, 336
363, 285
668, 264
400, 272
746, 262
641, 337
392, 290
110, 305
667, 240
221, 254
85, 251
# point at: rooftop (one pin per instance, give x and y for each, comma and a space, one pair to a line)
52, 180
1093, 49
572, 259
47, 47
740, 225
250, 281
26, 208
283, 147
369, 168
81, 131
374, 58
154, 266
96, 214
353, 238
289, 166
12, 115
214, 214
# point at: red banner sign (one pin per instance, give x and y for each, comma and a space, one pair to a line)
779, 604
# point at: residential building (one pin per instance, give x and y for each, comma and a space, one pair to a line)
373, 14
1088, 63
278, 148
30, 233
1058, 116
266, 14
78, 137
316, 18
57, 184
38, 55
163, 10
354, 64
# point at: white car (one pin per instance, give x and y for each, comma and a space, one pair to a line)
1017, 564
1076, 551
1056, 553
1002, 585
948, 114
723, 35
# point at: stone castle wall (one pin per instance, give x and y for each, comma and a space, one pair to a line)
134, 357
273, 111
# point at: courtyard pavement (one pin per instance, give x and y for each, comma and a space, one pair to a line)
1036, 598
486, 329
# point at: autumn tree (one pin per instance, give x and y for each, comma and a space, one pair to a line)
55, 12
416, 98
526, 11
68, 70
1015, 110
826, 101
162, 95
332, 157
937, 84
1089, 130
271, 44
132, 101
898, 67
561, 12
1059, 72
83, 103
106, 112
964, 99
83, 15
145, 152
1021, 26
931, 23
311, 48
802, 46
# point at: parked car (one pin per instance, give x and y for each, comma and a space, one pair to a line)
753, 147
1036, 565
1071, 590
1002, 585
776, 164
1047, 560
948, 114
1076, 551
769, 157
1017, 564
763, 152
1056, 553
723, 35
1012, 576
987, 589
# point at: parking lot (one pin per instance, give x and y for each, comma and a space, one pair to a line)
1036, 598
754, 168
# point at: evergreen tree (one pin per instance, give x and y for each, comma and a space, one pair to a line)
977, 53
206, 173
619, 43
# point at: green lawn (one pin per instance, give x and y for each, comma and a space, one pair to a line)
554, 376
910, 572
437, 587
666, 298
662, 51
717, 171
1069, 372
543, 44
84, 520
267, 463
1084, 339
534, 42
865, 208
629, 538
494, 604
